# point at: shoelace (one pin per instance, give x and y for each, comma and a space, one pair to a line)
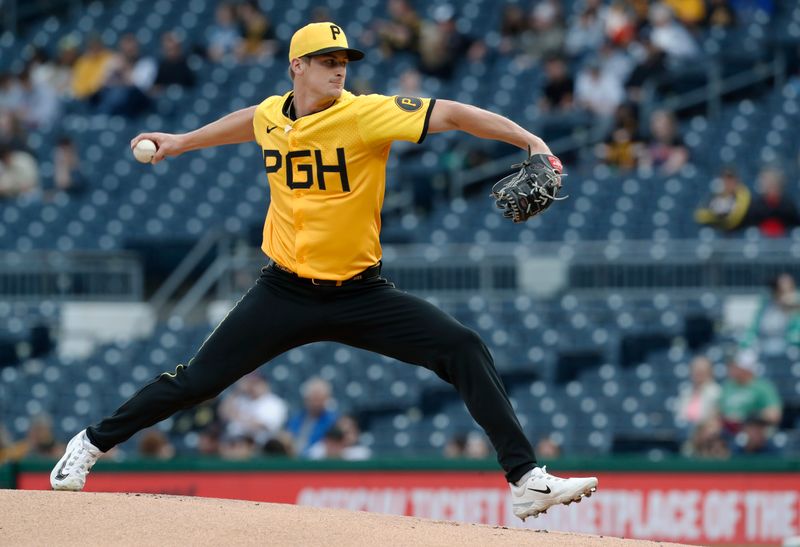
548, 476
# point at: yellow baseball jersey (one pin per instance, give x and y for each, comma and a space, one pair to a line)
327, 173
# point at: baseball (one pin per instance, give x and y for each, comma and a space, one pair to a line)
144, 150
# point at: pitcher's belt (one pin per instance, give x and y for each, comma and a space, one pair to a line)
370, 273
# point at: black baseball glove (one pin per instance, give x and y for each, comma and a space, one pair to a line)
530, 190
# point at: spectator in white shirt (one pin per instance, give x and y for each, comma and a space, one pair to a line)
252, 410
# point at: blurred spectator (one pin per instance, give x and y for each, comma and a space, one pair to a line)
587, 32
755, 437
89, 72
66, 57
173, 68
623, 147
689, 12
545, 34
154, 445
341, 442
547, 449
720, 14
330, 447
442, 47
615, 61
746, 396
598, 92
19, 173
67, 173
512, 25
237, 448
472, 445
12, 133
697, 401
776, 324
40, 106
401, 33
41, 68
665, 150
620, 23
456, 445
281, 445
40, 441
310, 424
476, 448
129, 77
208, 440
12, 95
558, 93
771, 210
728, 206
409, 84
258, 33
708, 441
652, 64
671, 36
224, 35
253, 410
9, 450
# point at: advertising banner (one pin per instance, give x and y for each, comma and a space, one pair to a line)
697, 508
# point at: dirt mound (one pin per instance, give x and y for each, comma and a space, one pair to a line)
83, 518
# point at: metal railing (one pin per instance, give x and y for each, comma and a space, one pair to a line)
90, 275
544, 270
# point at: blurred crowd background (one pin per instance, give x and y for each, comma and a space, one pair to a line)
677, 121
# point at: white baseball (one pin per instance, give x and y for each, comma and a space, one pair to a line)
144, 150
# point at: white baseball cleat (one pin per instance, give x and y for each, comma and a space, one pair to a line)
71, 470
542, 490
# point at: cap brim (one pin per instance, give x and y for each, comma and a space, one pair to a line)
352, 54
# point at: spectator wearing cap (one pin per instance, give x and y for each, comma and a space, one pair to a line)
776, 323
745, 396
727, 207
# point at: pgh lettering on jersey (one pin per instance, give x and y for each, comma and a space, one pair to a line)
327, 175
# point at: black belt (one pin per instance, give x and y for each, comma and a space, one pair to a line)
370, 273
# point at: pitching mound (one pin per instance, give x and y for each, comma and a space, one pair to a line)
70, 518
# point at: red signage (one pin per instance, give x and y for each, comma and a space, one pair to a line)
698, 508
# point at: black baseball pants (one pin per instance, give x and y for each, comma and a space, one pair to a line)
281, 312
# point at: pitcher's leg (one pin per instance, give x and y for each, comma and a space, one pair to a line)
388, 321
260, 326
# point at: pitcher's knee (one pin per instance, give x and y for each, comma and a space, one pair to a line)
467, 342
191, 386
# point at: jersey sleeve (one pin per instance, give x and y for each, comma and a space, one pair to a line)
383, 119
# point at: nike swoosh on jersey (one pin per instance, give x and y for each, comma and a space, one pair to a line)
269, 129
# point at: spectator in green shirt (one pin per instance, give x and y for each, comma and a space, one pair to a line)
747, 397
776, 324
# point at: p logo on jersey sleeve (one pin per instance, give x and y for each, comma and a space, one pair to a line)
383, 119
409, 104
